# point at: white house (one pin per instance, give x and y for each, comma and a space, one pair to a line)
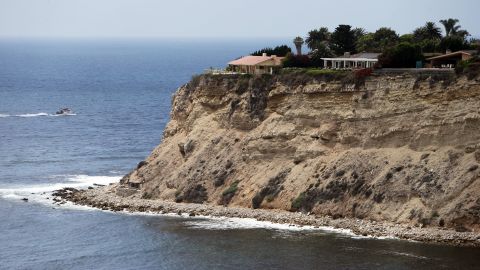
347, 61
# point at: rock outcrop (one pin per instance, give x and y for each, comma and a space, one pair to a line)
397, 148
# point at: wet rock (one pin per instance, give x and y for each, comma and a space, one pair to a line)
98, 185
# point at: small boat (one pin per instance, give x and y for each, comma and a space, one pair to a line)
64, 111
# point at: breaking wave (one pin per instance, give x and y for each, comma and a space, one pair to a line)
40, 192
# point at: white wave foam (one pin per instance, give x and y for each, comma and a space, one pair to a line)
63, 114
32, 114
224, 223
4, 115
40, 192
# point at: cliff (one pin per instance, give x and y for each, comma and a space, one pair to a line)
401, 148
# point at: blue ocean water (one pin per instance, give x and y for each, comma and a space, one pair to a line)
120, 91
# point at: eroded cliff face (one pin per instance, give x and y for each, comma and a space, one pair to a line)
394, 148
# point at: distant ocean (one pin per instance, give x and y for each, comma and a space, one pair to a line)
120, 92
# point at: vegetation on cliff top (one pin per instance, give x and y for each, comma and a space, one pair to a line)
426, 39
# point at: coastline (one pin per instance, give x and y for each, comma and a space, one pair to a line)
104, 197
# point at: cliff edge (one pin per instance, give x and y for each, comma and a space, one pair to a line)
402, 148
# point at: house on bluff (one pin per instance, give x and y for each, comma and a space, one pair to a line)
450, 59
256, 64
352, 61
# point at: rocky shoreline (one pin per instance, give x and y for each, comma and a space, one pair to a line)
105, 198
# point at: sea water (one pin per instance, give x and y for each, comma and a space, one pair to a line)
120, 92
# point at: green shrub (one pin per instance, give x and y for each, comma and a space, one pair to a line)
316, 72
404, 55
298, 203
470, 68
273, 188
232, 189
228, 194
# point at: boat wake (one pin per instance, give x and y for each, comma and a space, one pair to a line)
41, 114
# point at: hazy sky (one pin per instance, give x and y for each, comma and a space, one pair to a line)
221, 18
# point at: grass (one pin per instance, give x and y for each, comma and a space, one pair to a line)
313, 71
317, 71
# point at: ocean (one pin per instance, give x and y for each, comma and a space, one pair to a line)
120, 93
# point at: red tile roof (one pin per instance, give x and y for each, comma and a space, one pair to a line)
255, 60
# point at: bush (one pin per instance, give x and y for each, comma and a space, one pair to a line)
228, 193
272, 189
195, 194
301, 61
232, 189
257, 201
470, 68
404, 55
317, 72
363, 73
298, 203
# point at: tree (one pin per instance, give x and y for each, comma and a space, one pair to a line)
451, 26
430, 31
298, 41
406, 38
428, 37
403, 55
317, 36
385, 37
322, 51
278, 51
453, 43
343, 39
367, 43
359, 32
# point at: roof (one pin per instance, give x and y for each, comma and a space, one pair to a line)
363, 56
351, 59
367, 55
255, 60
457, 53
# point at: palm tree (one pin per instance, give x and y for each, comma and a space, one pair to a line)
450, 26
432, 31
298, 41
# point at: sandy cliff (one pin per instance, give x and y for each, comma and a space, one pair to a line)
397, 148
